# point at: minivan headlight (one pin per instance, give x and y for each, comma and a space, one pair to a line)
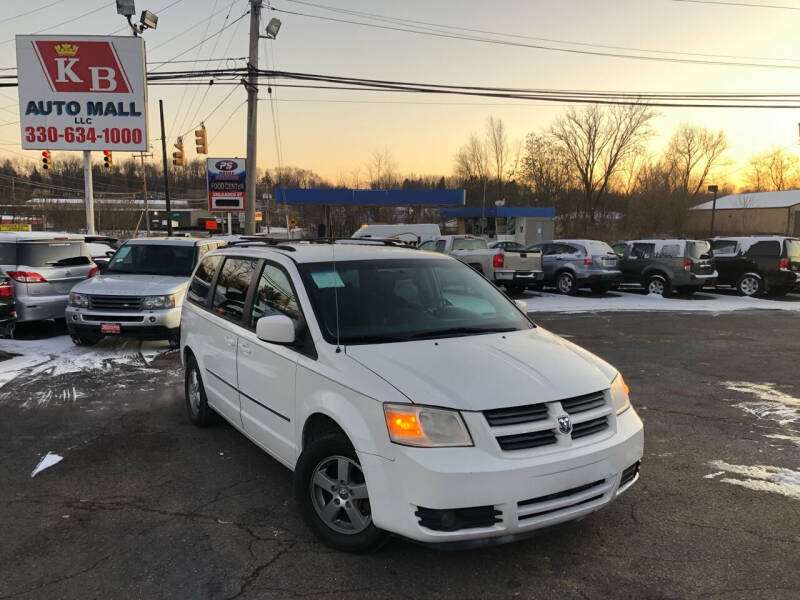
78, 300
619, 394
153, 302
424, 426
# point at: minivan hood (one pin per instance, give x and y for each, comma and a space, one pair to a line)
122, 284
482, 372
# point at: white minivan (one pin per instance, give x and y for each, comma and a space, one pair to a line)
406, 392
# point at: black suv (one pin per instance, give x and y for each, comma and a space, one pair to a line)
661, 266
758, 264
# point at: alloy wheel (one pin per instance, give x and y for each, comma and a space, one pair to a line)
749, 286
339, 495
656, 286
565, 284
194, 392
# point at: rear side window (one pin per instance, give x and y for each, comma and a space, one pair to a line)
8, 254
620, 249
201, 282
770, 248
670, 250
793, 248
232, 285
597, 248
440, 245
52, 254
274, 296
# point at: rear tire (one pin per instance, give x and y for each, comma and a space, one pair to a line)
600, 289
686, 291
779, 292
200, 413
8, 332
565, 283
658, 285
174, 341
332, 495
750, 285
515, 288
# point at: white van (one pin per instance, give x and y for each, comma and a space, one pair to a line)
415, 233
406, 392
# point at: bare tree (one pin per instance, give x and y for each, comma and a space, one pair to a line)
498, 149
597, 141
773, 170
382, 170
472, 160
546, 167
693, 153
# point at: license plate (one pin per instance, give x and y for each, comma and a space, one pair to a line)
110, 327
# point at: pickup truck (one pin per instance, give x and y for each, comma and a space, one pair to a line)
513, 269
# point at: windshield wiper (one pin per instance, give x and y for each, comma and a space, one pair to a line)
455, 331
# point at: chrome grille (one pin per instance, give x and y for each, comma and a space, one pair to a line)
115, 302
535, 425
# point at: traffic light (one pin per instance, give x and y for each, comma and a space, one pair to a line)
201, 139
108, 159
47, 161
177, 157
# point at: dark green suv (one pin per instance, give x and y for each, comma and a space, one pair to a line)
664, 266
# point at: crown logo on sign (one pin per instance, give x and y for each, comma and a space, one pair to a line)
66, 49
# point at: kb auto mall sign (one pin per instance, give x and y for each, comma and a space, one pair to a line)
82, 93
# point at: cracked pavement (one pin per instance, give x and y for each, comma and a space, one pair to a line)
144, 505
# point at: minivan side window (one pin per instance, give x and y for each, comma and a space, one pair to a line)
769, 248
274, 296
201, 282
233, 282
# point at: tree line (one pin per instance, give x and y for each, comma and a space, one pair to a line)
592, 164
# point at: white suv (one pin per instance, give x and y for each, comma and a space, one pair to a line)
406, 392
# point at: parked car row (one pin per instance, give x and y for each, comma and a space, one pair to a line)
751, 265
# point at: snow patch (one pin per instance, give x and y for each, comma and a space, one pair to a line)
771, 403
713, 475
636, 301
47, 461
795, 439
762, 478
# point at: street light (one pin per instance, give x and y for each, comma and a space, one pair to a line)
147, 20
273, 27
714, 189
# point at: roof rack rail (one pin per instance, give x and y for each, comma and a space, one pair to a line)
284, 244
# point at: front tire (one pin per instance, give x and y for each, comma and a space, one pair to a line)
200, 413
332, 495
565, 283
749, 284
82, 340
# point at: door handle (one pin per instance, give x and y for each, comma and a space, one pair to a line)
245, 348
230, 340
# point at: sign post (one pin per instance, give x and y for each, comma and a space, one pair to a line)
82, 93
88, 191
225, 179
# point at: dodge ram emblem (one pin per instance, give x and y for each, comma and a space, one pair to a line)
564, 424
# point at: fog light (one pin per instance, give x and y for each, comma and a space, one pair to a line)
74, 317
152, 319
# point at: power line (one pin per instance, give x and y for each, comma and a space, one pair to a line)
158, 13
230, 116
485, 40
399, 20
67, 22
745, 4
30, 12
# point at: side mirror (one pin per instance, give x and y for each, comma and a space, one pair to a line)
522, 305
276, 329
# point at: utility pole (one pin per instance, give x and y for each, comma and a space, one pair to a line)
142, 156
714, 189
88, 191
252, 119
166, 168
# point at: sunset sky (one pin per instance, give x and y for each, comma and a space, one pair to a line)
334, 132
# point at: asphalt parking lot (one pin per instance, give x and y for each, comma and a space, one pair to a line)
144, 505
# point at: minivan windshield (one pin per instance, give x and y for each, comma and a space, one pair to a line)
153, 259
52, 253
698, 249
398, 300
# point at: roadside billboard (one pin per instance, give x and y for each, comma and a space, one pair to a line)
79, 92
226, 184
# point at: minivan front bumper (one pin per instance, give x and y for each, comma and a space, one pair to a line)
520, 495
